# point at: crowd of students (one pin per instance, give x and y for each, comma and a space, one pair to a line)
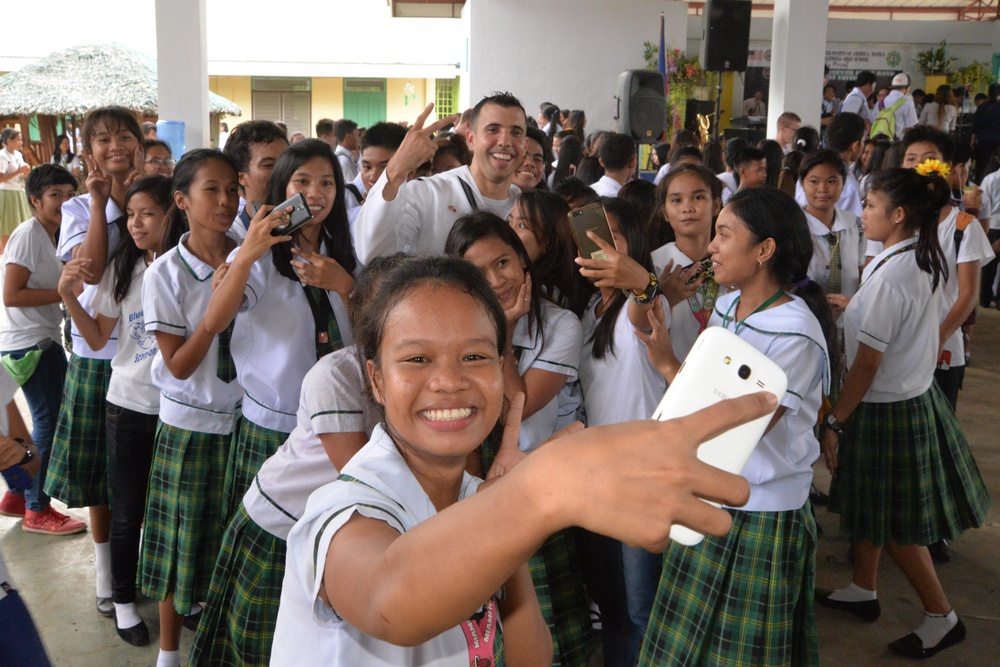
282, 437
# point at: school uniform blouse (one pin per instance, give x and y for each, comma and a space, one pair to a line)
332, 401
274, 343
852, 250
11, 161
931, 115
424, 211
895, 313
175, 295
975, 247
131, 385
30, 247
850, 197
682, 321
72, 232
729, 186
378, 484
780, 468
558, 351
623, 386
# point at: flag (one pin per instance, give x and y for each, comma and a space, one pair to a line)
661, 61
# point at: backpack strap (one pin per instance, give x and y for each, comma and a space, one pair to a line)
964, 220
469, 195
355, 191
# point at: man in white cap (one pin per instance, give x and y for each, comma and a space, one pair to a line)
906, 113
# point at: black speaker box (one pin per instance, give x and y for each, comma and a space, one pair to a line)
642, 112
727, 35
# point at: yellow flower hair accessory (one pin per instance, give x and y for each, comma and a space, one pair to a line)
928, 167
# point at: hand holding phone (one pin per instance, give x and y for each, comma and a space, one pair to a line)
721, 365
591, 218
298, 216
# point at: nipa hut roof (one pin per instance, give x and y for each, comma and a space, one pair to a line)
78, 79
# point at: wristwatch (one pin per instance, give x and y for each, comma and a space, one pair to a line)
29, 456
834, 424
652, 289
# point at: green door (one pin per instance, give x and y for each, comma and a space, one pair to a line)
364, 101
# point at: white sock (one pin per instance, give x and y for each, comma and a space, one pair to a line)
126, 615
102, 563
935, 627
168, 658
195, 609
853, 593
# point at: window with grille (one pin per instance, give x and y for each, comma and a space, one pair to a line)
445, 97
284, 99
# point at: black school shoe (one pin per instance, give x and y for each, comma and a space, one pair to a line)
867, 610
137, 635
191, 621
106, 607
912, 647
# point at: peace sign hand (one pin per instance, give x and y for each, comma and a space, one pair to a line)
98, 183
138, 160
417, 147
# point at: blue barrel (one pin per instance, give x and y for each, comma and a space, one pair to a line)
172, 132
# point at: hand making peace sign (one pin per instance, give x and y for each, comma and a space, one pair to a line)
417, 147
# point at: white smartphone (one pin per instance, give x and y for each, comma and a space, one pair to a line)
721, 365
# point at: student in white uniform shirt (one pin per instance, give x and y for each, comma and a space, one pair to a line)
691, 197
199, 395
380, 143
964, 259
14, 207
844, 136
289, 298
335, 418
389, 562
856, 101
619, 384
77, 474
30, 335
416, 216
906, 113
904, 475
990, 209
348, 138
255, 146
762, 247
133, 401
617, 156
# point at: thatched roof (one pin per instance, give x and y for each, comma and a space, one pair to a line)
76, 80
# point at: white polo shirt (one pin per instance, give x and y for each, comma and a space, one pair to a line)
308, 629
729, 186
906, 113
622, 386
895, 313
30, 247
606, 187
780, 468
682, 322
175, 295
419, 218
975, 247
991, 199
72, 232
852, 250
857, 103
332, 401
131, 384
11, 161
850, 197
274, 343
348, 165
558, 351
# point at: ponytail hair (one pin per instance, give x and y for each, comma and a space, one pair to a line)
770, 213
921, 198
175, 224
126, 254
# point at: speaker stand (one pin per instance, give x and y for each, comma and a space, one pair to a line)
718, 105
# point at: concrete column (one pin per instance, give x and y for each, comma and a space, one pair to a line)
798, 48
182, 66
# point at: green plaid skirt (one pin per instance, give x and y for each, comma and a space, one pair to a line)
905, 474
742, 599
78, 470
183, 526
14, 210
558, 579
238, 625
252, 445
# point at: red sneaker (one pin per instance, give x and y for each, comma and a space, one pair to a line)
12, 505
51, 522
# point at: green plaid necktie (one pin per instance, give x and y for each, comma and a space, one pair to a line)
328, 336
226, 369
833, 285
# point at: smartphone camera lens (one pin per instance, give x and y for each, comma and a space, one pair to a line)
743, 372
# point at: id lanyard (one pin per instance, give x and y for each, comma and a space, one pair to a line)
480, 635
777, 295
